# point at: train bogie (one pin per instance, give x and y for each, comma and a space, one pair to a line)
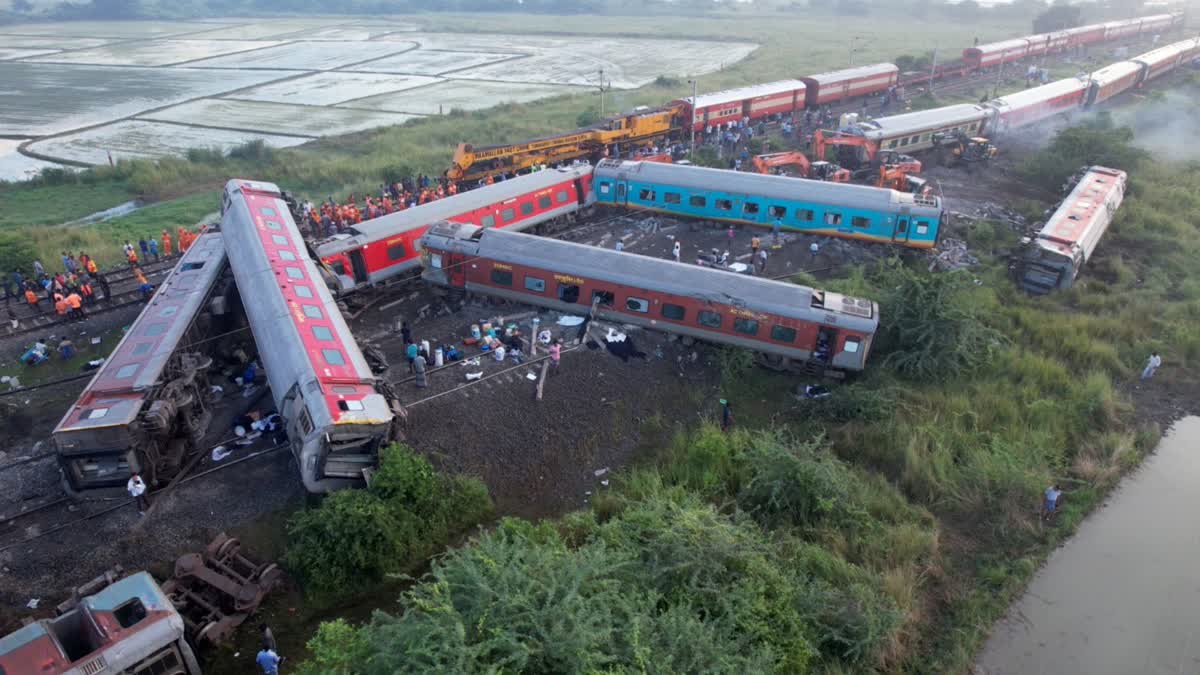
915, 131
787, 321
335, 416
734, 105
1034, 105
1069, 238
841, 85
383, 248
817, 207
145, 408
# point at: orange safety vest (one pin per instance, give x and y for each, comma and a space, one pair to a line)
91, 266
30, 296
132, 257
166, 239
74, 301
60, 306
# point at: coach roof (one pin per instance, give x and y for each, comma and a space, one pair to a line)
745, 93
923, 120
701, 179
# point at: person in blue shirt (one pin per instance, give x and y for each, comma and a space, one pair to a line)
154, 247
268, 660
411, 352
1050, 502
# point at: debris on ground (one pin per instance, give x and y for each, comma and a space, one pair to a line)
952, 254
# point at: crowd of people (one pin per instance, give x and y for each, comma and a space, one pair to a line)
331, 217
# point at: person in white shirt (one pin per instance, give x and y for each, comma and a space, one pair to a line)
676, 251
814, 249
137, 490
1152, 365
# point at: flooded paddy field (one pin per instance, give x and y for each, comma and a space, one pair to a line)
105, 86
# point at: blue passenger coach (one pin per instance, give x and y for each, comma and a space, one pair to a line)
817, 207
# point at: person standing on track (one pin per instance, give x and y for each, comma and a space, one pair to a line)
761, 261
166, 242
154, 248
676, 250
418, 365
555, 354
814, 248
755, 243
137, 489
268, 660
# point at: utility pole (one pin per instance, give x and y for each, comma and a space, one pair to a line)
692, 121
603, 88
932, 70
852, 40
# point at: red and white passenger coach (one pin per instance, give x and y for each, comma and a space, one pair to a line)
379, 249
789, 326
842, 85
335, 416
755, 102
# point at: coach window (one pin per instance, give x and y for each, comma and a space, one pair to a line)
891, 145
545, 202
860, 221
709, 319
605, 297
155, 329
672, 197
142, 348
605, 186
852, 344
287, 256
832, 218
697, 200
127, 371
724, 204
747, 326
507, 215
804, 215
266, 210
279, 240
294, 272
302, 291
502, 277
487, 221
646, 195
914, 139
339, 268
674, 312
322, 333
397, 252
922, 227
568, 293
783, 334
535, 284
527, 208
903, 142
168, 311
776, 211
750, 208
561, 197
306, 425
312, 311
637, 305
333, 357
272, 225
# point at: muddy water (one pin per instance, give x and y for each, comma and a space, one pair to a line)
1123, 595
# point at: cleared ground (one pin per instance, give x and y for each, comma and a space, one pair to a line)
445, 96
156, 53
46, 98
309, 55
261, 116
140, 139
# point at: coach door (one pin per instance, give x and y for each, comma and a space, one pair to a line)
622, 192
900, 234
580, 195
359, 266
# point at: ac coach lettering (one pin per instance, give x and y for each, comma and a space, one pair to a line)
568, 280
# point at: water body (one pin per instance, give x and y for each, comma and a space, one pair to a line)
1123, 595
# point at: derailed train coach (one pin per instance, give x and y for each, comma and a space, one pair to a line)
335, 411
145, 409
1053, 259
790, 327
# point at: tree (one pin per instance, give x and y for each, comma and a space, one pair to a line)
1059, 17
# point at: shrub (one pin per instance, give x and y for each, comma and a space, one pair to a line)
796, 486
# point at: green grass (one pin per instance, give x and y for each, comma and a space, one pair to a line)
28, 206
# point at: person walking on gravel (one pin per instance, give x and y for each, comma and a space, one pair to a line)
677, 250
555, 354
419, 369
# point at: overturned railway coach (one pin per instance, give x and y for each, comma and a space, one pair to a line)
817, 207
335, 416
380, 249
791, 327
144, 411
1053, 259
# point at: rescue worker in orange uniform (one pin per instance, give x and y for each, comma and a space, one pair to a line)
166, 243
181, 234
92, 267
131, 256
60, 304
31, 297
85, 288
75, 306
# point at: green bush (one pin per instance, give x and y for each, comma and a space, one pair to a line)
797, 486
356, 537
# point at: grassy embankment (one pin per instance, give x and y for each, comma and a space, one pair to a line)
792, 45
882, 530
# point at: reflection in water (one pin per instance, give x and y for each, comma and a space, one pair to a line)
1123, 595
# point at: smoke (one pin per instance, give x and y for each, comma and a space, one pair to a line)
1167, 124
